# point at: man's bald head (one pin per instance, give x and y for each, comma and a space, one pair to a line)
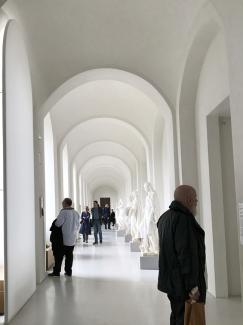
187, 195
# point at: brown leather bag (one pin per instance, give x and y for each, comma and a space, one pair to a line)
194, 313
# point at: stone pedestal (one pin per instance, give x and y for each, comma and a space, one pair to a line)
120, 233
149, 262
128, 238
135, 247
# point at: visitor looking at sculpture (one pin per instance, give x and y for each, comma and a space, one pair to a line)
182, 254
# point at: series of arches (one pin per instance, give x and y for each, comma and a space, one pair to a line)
116, 148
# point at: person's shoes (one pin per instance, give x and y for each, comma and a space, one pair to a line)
95, 243
101, 241
55, 275
68, 274
86, 242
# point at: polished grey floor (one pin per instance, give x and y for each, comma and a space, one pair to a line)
108, 288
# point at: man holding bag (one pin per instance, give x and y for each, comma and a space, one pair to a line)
182, 254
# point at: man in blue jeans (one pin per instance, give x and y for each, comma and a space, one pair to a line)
97, 221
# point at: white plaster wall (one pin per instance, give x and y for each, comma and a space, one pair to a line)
230, 212
74, 183
50, 196
217, 207
213, 88
19, 179
231, 13
1, 152
65, 172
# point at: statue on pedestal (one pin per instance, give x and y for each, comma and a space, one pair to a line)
150, 244
121, 215
128, 216
134, 216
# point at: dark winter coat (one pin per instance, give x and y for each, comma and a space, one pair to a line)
182, 253
106, 214
85, 228
94, 218
56, 237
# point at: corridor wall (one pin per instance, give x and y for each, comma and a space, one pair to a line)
211, 103
50, 190
20, 264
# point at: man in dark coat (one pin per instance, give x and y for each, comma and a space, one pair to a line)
182, 254
97, 222
56, 239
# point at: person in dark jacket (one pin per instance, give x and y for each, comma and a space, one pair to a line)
57, 243
107, 216
182, 254
113, 218
97, 221
85, 228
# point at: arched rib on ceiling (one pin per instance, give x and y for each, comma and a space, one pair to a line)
131, 106
108, 129
108, 74
94, 170
106, 148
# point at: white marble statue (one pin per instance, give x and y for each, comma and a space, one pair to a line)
150, 244
128, 216
135, 216
121, 215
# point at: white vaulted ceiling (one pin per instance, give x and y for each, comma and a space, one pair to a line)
147, 38
104, 98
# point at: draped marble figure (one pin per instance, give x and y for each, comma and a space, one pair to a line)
134, 216
150, 244
121, 215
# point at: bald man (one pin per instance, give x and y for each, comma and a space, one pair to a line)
182, 253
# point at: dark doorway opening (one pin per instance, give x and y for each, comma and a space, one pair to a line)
104, 201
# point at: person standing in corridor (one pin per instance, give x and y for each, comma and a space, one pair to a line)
107, 216
69, 220
182, 254
97, 222
113, 218
85, 228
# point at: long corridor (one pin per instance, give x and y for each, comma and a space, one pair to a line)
108, 288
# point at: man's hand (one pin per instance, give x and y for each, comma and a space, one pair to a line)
194, 295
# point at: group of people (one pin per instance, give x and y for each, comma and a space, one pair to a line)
99, 216
65, 227
181, 248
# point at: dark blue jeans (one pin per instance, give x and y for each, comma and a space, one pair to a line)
97, 230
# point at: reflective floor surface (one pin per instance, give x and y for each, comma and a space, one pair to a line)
108, 288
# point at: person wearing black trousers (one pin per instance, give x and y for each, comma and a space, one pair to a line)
56, 239
182, 255
107, 216
69, 222
113, 218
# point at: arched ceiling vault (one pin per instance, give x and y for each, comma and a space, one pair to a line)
92, 165
106, 129
106, 148
146, 38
